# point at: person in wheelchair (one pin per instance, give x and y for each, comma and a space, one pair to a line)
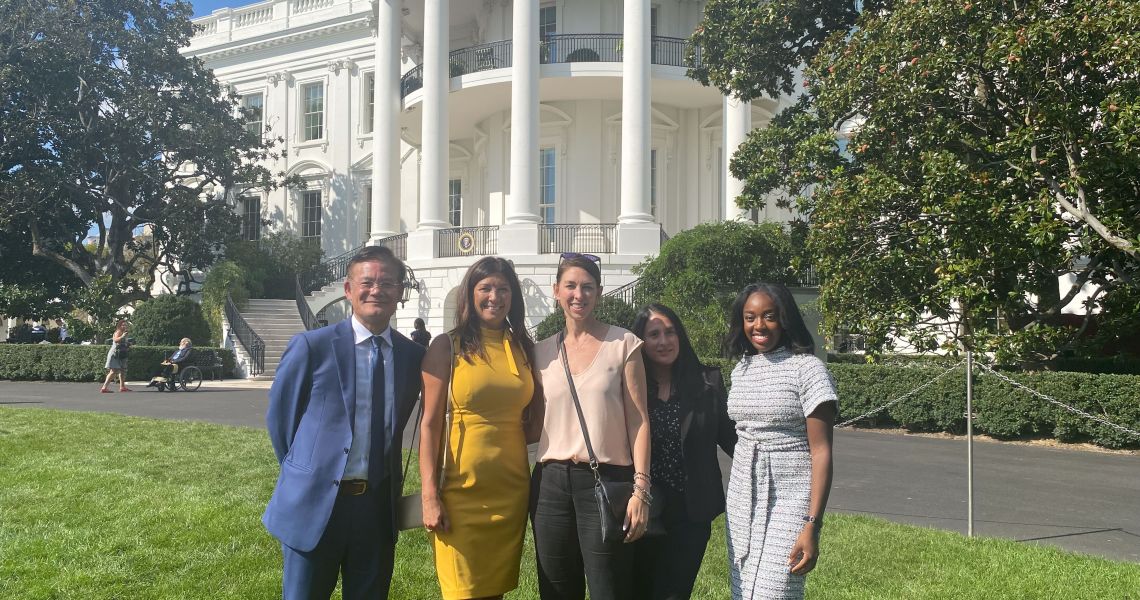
165, 376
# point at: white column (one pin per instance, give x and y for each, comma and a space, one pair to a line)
635, 114
386, 122
437, 79
737, 124
522, 205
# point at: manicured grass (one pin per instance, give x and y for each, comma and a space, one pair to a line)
100, 506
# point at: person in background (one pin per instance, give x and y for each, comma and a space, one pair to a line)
477, 515
688, 420
339, 403
420, 334
608, 373
117, 358
64, 336
784, 403
161, 378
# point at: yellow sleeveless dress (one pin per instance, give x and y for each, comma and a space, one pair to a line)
487, 479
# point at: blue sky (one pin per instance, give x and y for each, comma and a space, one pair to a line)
205, 7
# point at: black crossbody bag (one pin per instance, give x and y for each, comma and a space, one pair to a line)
612, 495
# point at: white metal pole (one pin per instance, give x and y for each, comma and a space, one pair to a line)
969, 443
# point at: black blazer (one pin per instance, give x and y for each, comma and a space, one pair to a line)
704, 426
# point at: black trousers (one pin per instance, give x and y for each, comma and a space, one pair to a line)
665, 567
568, 538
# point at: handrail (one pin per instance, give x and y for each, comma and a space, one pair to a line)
245, 334
303, 308
555, 49
467, 241
554, 238
625, 293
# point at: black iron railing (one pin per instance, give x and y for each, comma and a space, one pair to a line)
626, 293
398, 244
484, 57
664, 236
554, 49
467, 241
245, 334
594, 238
306, 312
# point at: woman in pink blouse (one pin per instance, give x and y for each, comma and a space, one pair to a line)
608, 373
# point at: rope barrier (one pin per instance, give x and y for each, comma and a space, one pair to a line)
848, 422
1056, 402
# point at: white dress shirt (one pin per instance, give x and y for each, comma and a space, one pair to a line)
358, 452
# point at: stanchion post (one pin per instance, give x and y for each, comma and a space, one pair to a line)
969, 443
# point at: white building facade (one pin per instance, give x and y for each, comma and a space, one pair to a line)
426, 126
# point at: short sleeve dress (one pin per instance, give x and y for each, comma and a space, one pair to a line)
770, 485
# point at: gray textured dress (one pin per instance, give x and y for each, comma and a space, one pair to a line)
770, 484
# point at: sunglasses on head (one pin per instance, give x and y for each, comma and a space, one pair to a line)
574, 255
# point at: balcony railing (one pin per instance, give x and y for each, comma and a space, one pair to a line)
467, 241
554, 49
593, 238
245, 334
626, 293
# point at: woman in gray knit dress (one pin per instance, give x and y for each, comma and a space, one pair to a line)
784, 403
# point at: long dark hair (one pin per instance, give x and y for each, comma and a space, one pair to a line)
794, 334
467, 324
687, 370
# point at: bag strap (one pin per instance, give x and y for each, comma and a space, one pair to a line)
446, 421
577, 403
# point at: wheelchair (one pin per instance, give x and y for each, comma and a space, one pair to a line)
188, 378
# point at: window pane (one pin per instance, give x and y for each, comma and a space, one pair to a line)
370, 102
547, 21
313, 109
546, 190
311, 217
455, 202
251, 218
368, 210
254, 105
653, 182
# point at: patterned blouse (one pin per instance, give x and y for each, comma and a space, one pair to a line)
667, 446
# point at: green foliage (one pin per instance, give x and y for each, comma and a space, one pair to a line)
609, 310
164, 320
224, 277
108, 127
954, 159
74, 362
273, 263
1002, 411
700, 271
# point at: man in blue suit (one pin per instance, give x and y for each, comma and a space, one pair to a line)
338, 405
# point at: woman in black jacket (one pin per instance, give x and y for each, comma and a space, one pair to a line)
688, 419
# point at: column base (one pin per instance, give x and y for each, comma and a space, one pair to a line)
638, 238
421, 244
518, 239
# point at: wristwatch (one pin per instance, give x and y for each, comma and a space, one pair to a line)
818, 521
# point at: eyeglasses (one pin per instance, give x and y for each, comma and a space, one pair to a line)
574, 255
384, 286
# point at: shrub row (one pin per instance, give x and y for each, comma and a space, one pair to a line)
67, 362
1120, 364
1001, 410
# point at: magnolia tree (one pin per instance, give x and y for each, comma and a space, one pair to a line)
108, 129
956, 159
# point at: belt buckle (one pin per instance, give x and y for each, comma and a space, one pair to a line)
360, 488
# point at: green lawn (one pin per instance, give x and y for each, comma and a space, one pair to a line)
99, 506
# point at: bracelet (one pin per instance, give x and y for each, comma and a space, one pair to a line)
648, 498
645, 497
648, 480
814, 520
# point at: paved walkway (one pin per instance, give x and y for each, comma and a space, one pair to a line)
1077, 500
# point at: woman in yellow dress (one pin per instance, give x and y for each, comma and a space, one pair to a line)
477, 515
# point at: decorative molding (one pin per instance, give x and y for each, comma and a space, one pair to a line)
277, 77
343, 63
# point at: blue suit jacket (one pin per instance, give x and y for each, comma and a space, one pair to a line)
313, 394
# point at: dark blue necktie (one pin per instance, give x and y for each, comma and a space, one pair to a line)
376, 464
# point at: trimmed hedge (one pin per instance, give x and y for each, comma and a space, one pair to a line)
1001, 411
69, 362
